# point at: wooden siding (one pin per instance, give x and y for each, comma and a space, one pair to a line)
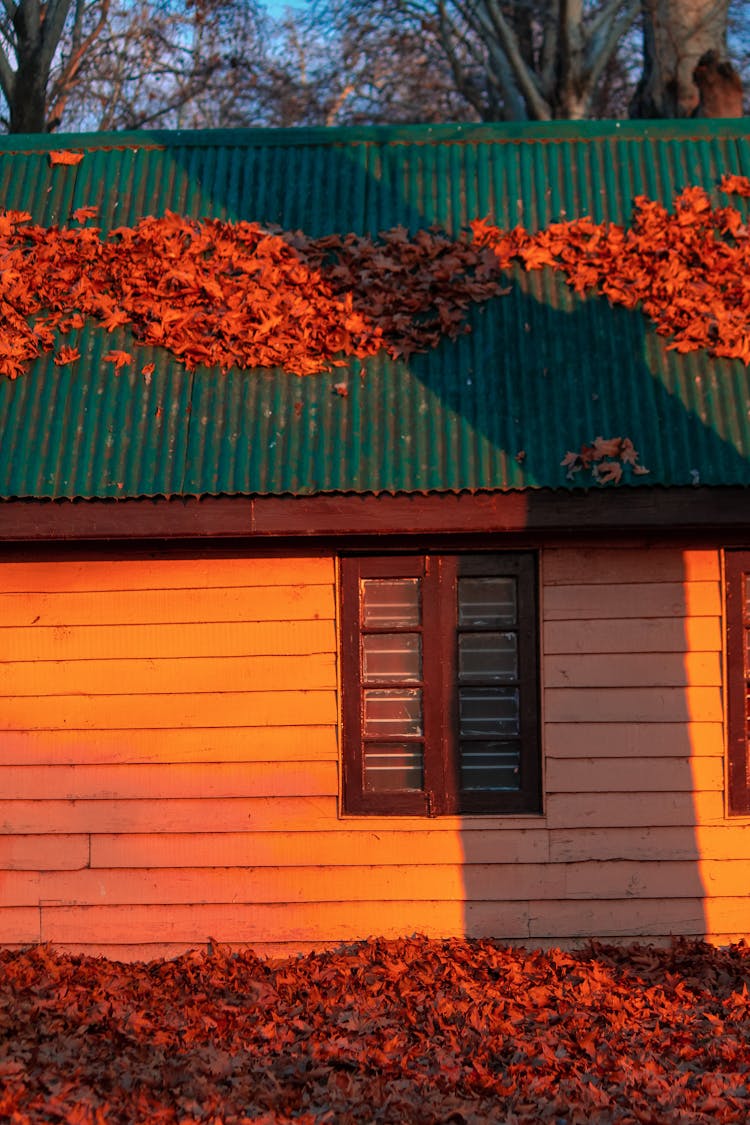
634, 742
169, 765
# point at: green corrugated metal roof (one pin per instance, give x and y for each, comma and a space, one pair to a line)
542, 371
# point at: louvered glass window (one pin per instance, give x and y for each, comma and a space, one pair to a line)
440, 684
737, 577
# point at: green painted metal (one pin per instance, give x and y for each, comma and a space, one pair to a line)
540, 373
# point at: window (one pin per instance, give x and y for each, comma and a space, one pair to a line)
737, 576
440, 684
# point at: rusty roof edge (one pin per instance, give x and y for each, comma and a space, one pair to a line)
350, 493
467, 133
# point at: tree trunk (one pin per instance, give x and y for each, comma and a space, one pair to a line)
28, 104
32, 31
676, 33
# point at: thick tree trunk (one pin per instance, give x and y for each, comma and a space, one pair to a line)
28, 103
32, 34
676, 34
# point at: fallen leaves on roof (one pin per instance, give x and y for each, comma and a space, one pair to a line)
605, 458
735, 185
118, 358
222, 294
688, 269
225, 294
64, 156
397, 1031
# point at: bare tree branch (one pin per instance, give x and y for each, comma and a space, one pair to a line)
527, 83
80, 46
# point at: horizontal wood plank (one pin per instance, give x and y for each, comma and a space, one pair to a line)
625, 669
264, 922
635, 705
697, 844
247, 924
98, 712
243, 743
635, 634
234, 814
343, 846
615, 775
163, 573
448, 883
612, 565
194, 780
631, 918
252, 814
97, 642
640, 600
635, 809
637, 880
133, 607
43, 853
153, 951
633, 739
179, 675
615, 880
276, 952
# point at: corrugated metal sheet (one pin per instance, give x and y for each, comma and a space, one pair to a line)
541, 373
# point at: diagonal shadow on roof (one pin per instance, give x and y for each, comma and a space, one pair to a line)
541, 372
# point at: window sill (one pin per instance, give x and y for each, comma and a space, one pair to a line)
467, 822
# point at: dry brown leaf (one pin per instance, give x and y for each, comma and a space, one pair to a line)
608, 471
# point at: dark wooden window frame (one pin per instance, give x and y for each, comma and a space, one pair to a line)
737, 585
441, 794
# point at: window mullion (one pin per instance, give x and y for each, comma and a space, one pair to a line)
441, 777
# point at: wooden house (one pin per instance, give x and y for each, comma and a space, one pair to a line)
292, 661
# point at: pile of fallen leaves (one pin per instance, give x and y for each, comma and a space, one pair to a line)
222, 294
689, 269
408, 1031
226, 294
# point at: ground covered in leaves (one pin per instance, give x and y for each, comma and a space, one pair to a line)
401, 1031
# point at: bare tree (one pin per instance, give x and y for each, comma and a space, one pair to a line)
520, 60
42, 48
382, 62
676, 33
171, 63
534, 59
130, 64
540, 60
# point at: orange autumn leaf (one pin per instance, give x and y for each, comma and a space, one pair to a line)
66, 355
83, 214
63, 156
735, 185
118, 358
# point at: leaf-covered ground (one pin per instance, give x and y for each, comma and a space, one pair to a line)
400, 1031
